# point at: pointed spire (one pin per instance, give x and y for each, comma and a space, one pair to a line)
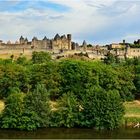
63, 37
21, 38
45, 38
57, 37
26, 39
34, 38
84, 43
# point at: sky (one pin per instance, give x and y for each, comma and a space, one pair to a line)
96, 21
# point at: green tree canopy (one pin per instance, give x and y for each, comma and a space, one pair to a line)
40, 57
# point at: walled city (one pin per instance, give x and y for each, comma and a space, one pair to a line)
64, 46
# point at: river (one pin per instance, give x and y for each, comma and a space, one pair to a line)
72, 133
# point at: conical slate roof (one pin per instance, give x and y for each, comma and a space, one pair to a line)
57, 37
45, 38
21, 38
26, 39
84, 43
34, 38
63, 37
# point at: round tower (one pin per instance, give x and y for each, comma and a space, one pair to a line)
69, 41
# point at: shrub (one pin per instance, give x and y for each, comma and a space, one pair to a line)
40, 57
102, 109
66, 114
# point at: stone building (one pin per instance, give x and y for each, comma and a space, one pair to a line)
84, 45
64, 43
58, 42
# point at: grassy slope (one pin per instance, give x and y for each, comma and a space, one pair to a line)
132, 109
132, 113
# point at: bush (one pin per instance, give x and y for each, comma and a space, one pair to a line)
13, 77
37, 102
13, 111
48, 75
26, 112
102, 109
40, 57
77, 76
66, 114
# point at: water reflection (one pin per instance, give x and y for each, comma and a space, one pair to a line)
73, 133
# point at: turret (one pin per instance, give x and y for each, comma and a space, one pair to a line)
21, 40
0, 42
45, 38
57, 37
73, 45
26, 40
69, 41
138, 41
34, 41
45, 41
63, 37
84, 45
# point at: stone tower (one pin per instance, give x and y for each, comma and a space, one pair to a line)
127, 51
69, 41
45, 41
84, 45
57, 37
34, 41
21, 40
26, 41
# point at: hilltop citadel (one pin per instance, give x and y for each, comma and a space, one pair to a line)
63, 45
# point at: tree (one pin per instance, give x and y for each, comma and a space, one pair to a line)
37, 102
66, 114
13, 77
48, 75
76, 77
110, 58
27, 112
22, 60
101, 109
118, 78
137, 81
13, 111
40, 57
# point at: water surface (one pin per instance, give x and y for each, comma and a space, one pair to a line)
72, 133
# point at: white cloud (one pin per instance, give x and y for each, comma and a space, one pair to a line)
86, 19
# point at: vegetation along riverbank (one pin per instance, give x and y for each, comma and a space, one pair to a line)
42, 92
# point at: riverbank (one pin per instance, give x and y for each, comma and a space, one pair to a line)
131, 117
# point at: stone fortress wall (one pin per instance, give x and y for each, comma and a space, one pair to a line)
23, 46
58, 42
63, 45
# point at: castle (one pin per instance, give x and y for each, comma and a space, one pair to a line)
64, 46
57, 43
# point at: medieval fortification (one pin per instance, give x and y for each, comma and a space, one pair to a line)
63, 45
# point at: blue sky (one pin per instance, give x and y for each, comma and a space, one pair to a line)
96, 21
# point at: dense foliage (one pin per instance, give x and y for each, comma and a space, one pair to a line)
27, 112
85, 93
